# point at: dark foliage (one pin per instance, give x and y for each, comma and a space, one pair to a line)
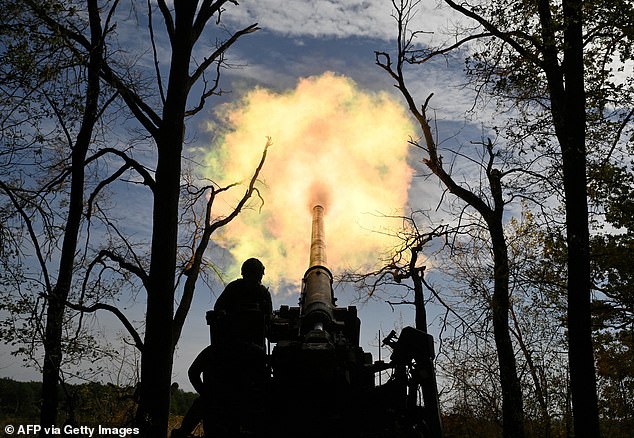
86, 404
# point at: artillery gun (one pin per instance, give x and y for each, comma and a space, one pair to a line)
320, 382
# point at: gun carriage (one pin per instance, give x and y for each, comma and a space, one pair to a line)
318, 381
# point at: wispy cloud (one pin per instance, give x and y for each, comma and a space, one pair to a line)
332, 18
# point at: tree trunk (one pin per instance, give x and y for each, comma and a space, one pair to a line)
568, 105
573, 148
568, 108
58, 296
512, 404
157, 357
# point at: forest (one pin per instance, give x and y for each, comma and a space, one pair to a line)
94, 403
523, 262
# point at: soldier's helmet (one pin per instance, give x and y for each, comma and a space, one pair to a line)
252, 269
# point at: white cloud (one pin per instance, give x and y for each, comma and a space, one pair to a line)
331, 18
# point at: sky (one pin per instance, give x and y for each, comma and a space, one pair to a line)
311, 64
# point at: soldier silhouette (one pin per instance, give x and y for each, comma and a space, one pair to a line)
230, 375
243, 309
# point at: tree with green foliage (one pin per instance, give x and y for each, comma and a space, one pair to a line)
161, 111
612, 258
20, 401
36, 67
611, 248
472, 395
87, 32
554, 67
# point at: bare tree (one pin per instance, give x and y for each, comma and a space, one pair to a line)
184, 26
490, 208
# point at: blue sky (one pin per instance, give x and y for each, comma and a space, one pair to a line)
297, 40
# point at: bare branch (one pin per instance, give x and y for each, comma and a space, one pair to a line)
208, 92
148, 180
192, 269
169, 21
114, 310
34, 240
142, 111
159, 80
617, 136
123, 263
207, 9
103, 184
220, 50
250, 190
422, 56
493, 30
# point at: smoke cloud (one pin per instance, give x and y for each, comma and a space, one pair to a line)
333, 144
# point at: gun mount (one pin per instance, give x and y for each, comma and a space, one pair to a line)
320, 381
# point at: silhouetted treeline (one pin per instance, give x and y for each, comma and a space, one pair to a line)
83, 404
19, 400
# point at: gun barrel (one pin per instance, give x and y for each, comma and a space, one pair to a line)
317, 295
318, 239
